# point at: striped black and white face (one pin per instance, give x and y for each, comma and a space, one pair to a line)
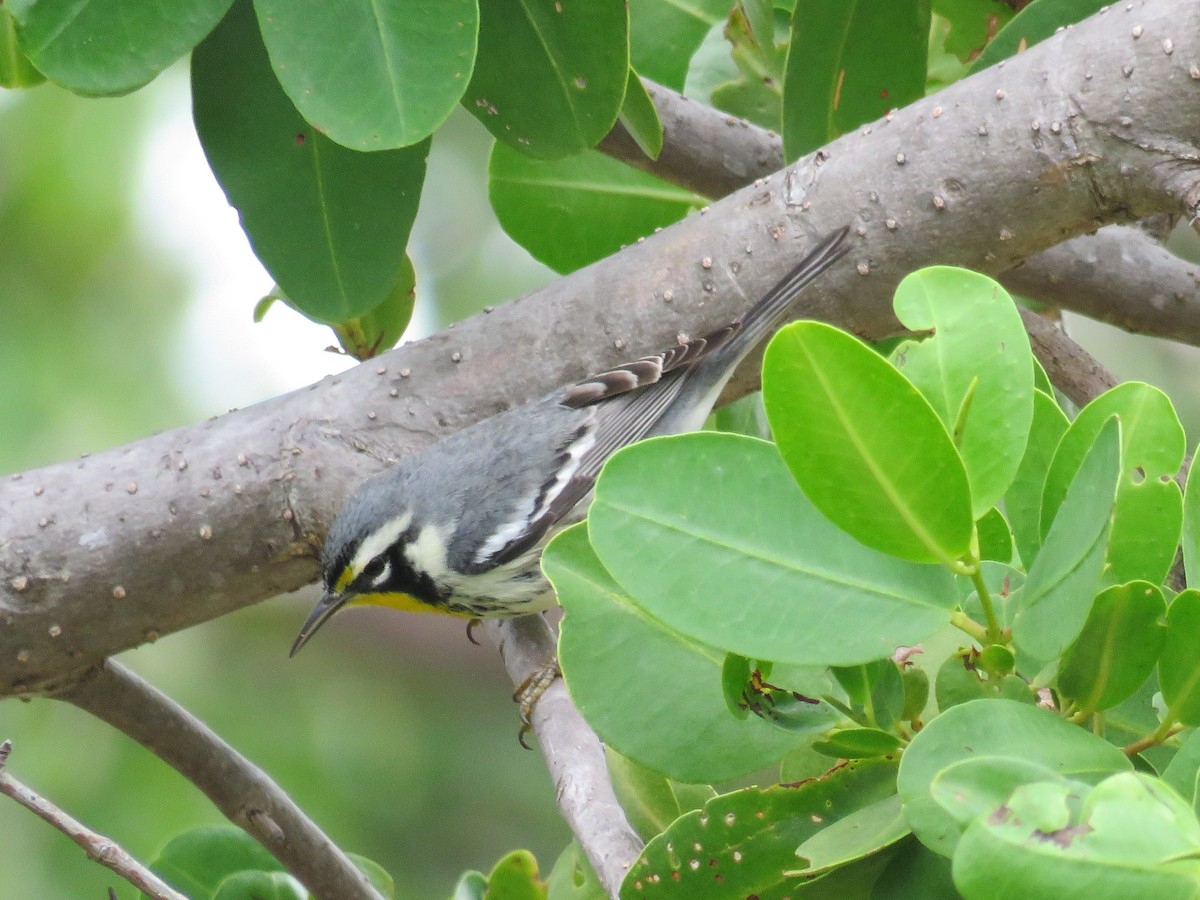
395, 565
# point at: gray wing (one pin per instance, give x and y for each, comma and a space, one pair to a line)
631, 400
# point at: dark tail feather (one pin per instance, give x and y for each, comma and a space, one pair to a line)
762, 318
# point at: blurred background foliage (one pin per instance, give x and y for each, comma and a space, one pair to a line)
393, 732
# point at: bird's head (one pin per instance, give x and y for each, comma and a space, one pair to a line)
374, 558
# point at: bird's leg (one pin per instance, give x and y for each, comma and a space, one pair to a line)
530, 691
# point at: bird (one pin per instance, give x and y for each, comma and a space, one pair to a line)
459, 529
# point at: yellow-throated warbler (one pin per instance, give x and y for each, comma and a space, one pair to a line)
460, 529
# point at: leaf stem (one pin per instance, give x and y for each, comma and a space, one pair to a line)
963, 622
1166, 729
993, 634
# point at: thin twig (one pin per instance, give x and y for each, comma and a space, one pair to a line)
97, 847
242, 791
573, 754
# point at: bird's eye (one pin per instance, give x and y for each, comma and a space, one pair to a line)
374, 568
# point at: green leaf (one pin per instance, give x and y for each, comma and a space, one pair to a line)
875, 688
110, 46
329, 224
1191, 528
471, 885
861, 833
16, 71
916, 871
572, 877
995, 540
1062, 581
865, 446
849, 63
979, 785
1023, 501
198, 861
975, 369
1130, 837
972, 24
1181, 773
516, 877
1117, 648
380, 329
613, 656
858, 743
395, 73
571, 212
650, 800
993, 728
1149, 510
916, 692
665, 33
550, 76
640, 117
749, 837
1179, 664
260, 886
747, 564
1035, 23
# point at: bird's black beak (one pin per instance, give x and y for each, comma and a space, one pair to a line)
328, 605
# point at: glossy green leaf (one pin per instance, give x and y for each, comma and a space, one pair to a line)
329, 224
1149, 510
748, 564
916, 871
16, 71
1130, 837
1063, 580
979, 785
1179, 664
995, 540
110, 46
1191, 528
858, 743
875, 689
961, 679
865, 445
1035, 23
571, 212
613, 656
471, 885
515, 877
665, 33
572, 878
1023, 500
381, 328
994, 728
261, 886
1183, 772
198, 861
1117, 648
975, 368
916, 692
972, 24
749, 837
640, 117
395, 73
849, 63
545, 81
859, 834
652, 801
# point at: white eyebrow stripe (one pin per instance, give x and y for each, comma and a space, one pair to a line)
379, 541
